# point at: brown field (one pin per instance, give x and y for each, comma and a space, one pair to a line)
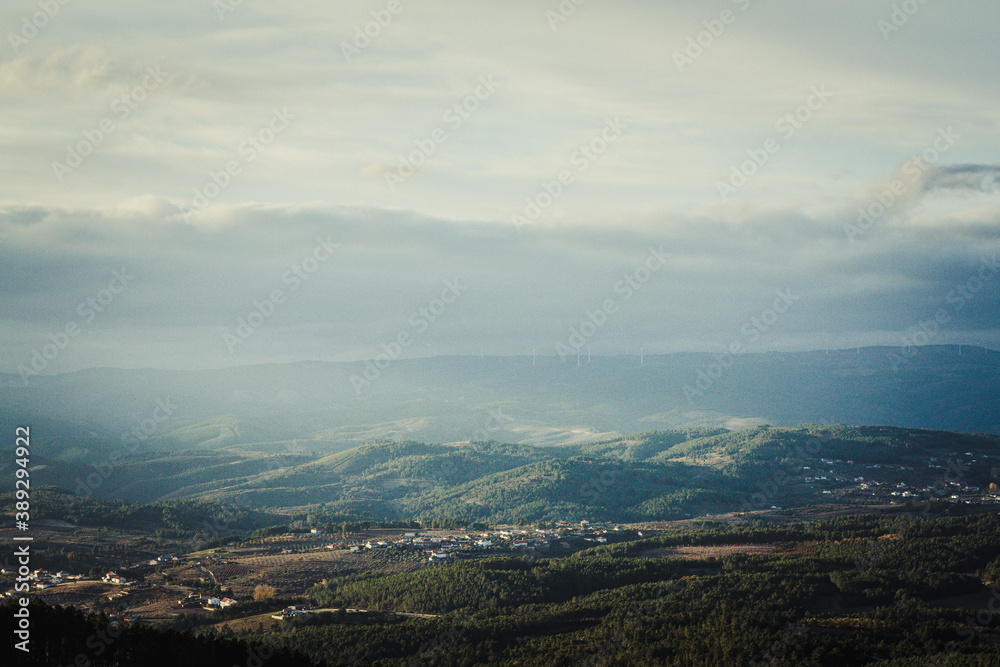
228, 571
245, 566
263, 621
294, 573
713, 551
82, 594
151, 603
797, 549
158, 604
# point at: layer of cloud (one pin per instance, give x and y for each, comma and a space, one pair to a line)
519, 290
98, 166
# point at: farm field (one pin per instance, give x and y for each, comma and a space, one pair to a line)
293, 573
703, 552
149, 603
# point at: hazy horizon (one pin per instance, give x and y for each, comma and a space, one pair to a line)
568, 360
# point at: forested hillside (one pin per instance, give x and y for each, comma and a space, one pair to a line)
656, 475
865, 590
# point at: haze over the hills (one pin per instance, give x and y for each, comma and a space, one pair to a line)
322, 406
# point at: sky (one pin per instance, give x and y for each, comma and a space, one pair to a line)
204, 184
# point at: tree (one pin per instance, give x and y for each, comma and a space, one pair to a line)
263, 592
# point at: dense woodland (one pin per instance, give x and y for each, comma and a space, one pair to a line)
65, 636
650, 476
914, 586
831, 593
861, 590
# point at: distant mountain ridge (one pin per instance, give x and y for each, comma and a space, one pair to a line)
512, 399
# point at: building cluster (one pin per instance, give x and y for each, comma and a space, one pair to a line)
205, 602
41, 579
115, 578
941, 479
116, 620
166, 559
290, 612
451, 547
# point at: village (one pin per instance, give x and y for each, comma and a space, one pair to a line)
943, 478
442, 549
158, 588
135, 576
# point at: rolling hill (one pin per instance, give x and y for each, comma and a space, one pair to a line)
656, 475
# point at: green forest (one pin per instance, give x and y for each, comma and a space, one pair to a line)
649, 476
895, 590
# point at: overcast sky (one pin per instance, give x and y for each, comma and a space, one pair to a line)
680, 171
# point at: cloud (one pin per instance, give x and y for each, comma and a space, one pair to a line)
377, 169
74, 70
969, 177
656, 185
195, 281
